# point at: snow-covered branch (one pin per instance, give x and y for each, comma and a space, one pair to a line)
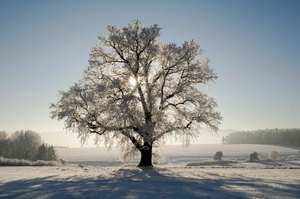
139, 88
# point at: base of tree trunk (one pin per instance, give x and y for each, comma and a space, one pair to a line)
146, 158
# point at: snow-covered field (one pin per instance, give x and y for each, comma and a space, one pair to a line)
131, 182
265, 179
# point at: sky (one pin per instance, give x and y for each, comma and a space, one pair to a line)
253, 46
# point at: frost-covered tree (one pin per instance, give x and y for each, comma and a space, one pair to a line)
4, 144
46, 152
140, 91
24, 144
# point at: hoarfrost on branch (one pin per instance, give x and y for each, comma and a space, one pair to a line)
140, 91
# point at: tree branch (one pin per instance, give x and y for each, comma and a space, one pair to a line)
187, 126
132, 139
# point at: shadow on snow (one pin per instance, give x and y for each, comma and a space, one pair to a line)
143, 183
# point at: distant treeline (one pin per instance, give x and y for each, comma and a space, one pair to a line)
25, 145
286, 137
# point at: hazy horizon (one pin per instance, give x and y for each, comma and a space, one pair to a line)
69, 139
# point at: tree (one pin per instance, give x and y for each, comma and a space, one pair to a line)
24, 144
42, 152
46, 152
140, 91
4, 144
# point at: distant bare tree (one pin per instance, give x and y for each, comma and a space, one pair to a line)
27, 145
24, 144
140, 91
4, 144
3, 135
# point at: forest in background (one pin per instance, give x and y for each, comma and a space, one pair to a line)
25, 145
284, 137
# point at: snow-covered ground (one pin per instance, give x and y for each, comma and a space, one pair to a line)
132, 182
238, 179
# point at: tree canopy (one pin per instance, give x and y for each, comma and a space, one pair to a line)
140, 91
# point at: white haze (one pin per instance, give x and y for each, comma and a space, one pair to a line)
69, 139
177, 153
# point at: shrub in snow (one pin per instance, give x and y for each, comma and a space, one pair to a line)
253, 157
62, 161
263, 156
218, 156
274, 155
21, 162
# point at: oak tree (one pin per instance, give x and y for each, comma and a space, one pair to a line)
140, 91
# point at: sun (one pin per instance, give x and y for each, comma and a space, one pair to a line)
132, 81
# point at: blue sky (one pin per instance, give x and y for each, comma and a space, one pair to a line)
254, 46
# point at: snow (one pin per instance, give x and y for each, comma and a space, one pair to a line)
240, 179
132, 182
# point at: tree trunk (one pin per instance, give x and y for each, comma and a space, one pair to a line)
146, 157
